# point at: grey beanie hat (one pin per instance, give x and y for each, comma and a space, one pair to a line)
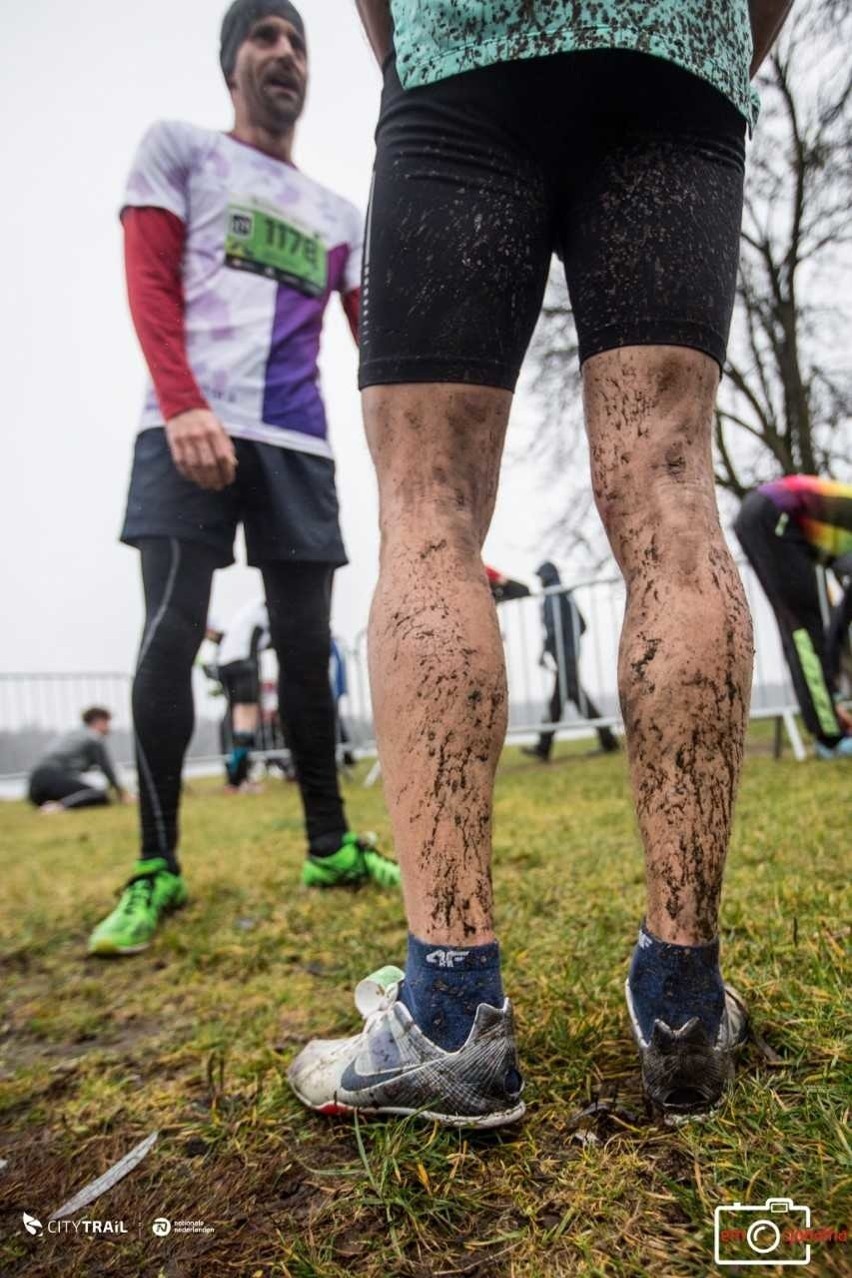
240, 19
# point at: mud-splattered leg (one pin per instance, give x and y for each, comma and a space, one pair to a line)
436, 658
686, 647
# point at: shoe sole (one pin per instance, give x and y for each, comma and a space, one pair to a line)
680, 1118
671, 1119
109, 949
353, 885
701, 1113
500, 1118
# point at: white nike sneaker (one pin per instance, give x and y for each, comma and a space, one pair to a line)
391, 1067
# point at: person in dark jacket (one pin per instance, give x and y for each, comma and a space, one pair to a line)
563, 625
56, 783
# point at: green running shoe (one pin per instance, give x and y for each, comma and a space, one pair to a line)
152, 892
355, 862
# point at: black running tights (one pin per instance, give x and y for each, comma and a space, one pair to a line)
177, 577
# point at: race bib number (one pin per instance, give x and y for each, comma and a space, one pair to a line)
265, 243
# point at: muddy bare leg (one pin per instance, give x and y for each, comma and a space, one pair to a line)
686, 648
436, 658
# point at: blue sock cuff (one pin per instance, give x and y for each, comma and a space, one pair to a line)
454, 958
673, 983
445, 984
668, 952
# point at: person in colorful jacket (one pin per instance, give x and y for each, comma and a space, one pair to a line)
787, 528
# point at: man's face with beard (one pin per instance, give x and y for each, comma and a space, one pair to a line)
271, 74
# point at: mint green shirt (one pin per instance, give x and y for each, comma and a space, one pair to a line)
435, 39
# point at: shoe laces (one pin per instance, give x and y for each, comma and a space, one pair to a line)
138, 892
382, 866
368, 844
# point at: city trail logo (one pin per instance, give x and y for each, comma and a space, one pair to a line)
89, 1228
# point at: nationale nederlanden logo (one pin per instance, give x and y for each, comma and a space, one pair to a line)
162, 1227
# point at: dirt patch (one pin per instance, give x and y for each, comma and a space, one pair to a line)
19, 1050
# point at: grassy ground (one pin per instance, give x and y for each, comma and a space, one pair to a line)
193, 1038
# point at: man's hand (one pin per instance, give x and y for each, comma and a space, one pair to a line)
202, 449
844, 716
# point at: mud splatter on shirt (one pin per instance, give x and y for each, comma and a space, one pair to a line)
435, 39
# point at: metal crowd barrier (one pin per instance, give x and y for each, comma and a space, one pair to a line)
35, 707
601, 602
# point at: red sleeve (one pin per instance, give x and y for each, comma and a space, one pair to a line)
352, 307
153, 252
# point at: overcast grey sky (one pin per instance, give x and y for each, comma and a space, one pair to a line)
79, 85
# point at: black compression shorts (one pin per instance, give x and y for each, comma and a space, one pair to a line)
241, 681
626, 166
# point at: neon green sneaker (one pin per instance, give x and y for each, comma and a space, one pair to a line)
355, 862
152, 892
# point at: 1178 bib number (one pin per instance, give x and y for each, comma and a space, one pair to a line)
265, 244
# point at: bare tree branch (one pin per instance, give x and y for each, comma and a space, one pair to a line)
786, 397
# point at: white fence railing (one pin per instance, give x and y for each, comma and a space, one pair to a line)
601, 603
34, 707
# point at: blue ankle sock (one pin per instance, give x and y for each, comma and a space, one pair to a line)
673, 983
240, 757
444, 986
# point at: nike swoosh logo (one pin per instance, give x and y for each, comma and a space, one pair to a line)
352, 1081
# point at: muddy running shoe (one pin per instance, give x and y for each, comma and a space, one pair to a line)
354, 863
684, 1074
152, 892
391, 1067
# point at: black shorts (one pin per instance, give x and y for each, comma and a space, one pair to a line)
626, 166
286, 501
241, 681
